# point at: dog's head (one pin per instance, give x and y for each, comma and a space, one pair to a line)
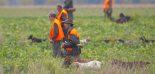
97, 63
147, 62
87, 40
30, 37
142, 38
128, 18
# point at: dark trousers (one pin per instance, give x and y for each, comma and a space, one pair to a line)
57, 49
108, 13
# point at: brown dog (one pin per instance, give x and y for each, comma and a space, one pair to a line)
129, 65
35, 40
144, 40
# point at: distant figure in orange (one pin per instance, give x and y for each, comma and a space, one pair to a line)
107, 8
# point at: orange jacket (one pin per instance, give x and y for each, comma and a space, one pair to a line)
60, 35
59, 16
107, 4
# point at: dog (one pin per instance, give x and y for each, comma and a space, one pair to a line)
121, 41
93, 65
129, 65
35, 40
123, 18
114, 40
85, 41
144, 40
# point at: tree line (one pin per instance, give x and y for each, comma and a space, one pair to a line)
48, 2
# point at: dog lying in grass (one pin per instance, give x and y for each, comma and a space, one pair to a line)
114, 41
144, 40
123, 19
129, 65
35, 40
122, 41
93, 65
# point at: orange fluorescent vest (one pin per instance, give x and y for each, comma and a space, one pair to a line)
60, 31
60, 14
73, 32
106, 5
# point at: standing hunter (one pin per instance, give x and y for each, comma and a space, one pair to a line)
62, 14
107, 8
68, 5
56, 35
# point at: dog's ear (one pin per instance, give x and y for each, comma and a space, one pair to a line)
142, 38
30, 37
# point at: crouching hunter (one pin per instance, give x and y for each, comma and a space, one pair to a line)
71, 43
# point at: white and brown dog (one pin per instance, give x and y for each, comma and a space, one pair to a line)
93, 65
85, 41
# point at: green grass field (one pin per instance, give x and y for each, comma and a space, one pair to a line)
19, 56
